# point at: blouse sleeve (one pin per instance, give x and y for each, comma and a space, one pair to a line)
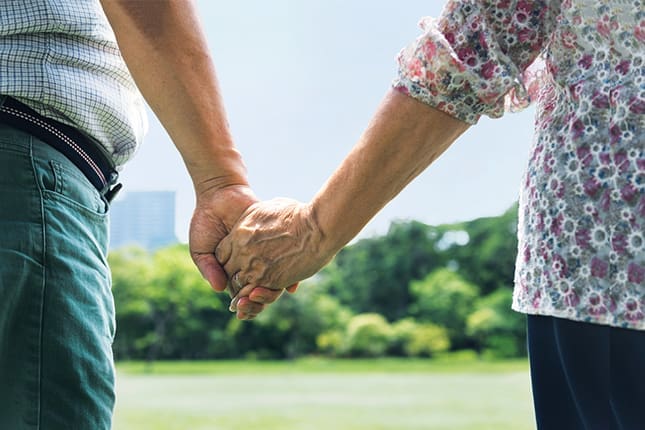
467, 62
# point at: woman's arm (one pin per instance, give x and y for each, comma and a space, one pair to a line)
466, 64
402, 140
280, 242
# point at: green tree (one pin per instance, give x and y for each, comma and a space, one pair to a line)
427, 340
165, 310
164, 307
131, 278
497, 329
444, 298
291, 326
184, 308
373, 275
488, 259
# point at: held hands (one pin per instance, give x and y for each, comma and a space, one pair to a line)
271, 261
216, 211
274, 245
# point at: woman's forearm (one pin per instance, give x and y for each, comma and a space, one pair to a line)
404, 137
280, 242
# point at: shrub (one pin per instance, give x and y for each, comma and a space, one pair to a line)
331, 343
368, 335
427, 340
497, 329
414, 339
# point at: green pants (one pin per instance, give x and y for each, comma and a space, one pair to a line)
56, 307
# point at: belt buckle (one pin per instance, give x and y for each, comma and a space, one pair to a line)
112, 188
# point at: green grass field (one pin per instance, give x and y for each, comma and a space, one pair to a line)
450, 393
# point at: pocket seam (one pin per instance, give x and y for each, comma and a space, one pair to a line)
62, 179
50, 195
59, 189
59, 178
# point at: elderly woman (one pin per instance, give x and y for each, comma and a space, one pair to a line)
580, 272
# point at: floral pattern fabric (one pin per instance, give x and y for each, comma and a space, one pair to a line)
582, 205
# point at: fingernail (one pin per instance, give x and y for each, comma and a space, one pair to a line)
233, 306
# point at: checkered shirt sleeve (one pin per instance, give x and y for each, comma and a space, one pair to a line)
60, 57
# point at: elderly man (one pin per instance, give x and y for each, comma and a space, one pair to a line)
70, 116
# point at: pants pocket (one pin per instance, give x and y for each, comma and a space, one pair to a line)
60, 180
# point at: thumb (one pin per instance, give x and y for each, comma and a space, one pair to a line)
224, 250
211, 270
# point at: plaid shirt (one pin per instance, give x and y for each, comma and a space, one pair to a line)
60, 57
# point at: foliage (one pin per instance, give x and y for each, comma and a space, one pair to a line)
415, 291
373, 275
488, 259
402, 331
293, 324
131, 278
446, 299
368, 335
498, 330
419, 340
165, 308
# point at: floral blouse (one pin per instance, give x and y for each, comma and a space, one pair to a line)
582, 205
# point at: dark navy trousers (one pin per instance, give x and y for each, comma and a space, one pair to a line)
586, 376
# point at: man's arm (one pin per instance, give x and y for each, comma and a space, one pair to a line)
166, 53
281, 242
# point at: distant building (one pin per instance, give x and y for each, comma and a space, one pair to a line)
144, 218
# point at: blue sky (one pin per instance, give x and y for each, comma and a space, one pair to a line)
301, 79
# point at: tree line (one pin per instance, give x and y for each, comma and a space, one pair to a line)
416, 291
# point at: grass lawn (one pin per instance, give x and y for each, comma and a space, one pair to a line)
448, 393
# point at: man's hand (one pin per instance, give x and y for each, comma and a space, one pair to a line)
215, 214
165, 49
274, 245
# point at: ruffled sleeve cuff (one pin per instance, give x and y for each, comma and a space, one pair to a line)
459, 68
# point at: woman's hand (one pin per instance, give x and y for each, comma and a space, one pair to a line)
274, 245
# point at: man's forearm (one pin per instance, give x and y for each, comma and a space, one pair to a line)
166, 52
404, 138
168, 57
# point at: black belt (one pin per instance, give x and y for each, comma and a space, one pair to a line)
78, 148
